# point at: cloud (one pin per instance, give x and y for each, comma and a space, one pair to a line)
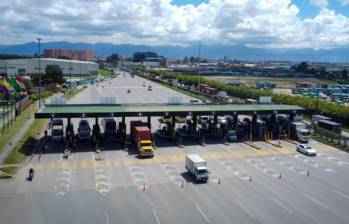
344, 2
256, 23
319, 3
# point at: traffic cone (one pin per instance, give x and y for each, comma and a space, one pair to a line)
250, 179
143, 187
308, 173
219, 181
182, 185
280, 176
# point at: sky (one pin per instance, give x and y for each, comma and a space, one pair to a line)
316, 24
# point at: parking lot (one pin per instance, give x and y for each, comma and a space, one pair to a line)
246, 185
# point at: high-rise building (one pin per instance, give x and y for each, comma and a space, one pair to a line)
69, 54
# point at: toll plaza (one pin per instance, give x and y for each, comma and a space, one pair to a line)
254, 114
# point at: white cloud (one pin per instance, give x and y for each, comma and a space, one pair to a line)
257, 23
344, 2
319, 3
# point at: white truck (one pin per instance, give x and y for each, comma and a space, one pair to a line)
300, 131
197, 166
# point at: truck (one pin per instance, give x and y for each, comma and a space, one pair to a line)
330, 125
315, 118
142, 138
84, 130
300, 131
197, 167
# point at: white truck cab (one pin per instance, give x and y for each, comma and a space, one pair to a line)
197, 166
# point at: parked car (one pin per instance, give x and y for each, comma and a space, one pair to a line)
84, 130
306, 149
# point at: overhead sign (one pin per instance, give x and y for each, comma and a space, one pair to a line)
108, 100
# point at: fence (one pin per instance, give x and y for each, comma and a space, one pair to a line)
7, 115
331, 136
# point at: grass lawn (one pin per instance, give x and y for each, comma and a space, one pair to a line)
16, 126
105, 72
9, 170
281, 82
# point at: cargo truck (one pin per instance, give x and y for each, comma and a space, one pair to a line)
300, 131
197, 166
142, 138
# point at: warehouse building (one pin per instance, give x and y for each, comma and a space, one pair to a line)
27, 66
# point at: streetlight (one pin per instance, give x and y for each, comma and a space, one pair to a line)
39, 40
70, 75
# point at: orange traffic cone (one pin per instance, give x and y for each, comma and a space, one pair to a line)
308, 173
182, 185
143, 187
250, 179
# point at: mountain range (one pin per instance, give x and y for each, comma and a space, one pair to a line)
240, 52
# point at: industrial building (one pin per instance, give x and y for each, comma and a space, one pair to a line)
27, 66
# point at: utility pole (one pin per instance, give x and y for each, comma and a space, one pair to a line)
199, 62
70, 75
39, 40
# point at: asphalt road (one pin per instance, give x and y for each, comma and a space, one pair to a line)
270, 185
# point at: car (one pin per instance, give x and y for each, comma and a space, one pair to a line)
306, 149
144, 84
84, 130
150, 88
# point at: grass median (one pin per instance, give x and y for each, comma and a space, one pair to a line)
73, 93
25, 146
9, 134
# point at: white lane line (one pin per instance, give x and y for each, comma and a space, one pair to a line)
342, 194
202, 213
245, 209
156, 217
106, 219
281, 204
321, 204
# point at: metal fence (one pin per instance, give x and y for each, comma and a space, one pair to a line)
331, 136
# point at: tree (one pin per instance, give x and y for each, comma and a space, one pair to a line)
302, 67
185, 59
113, 58
140, 56
53, 74
345, 74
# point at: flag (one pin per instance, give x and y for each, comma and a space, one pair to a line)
14, 84
7, 86
3, 87
20, 82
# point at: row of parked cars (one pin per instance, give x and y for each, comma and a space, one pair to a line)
84, 129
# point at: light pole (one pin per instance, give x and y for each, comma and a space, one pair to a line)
70, 76
199, 63
39, 40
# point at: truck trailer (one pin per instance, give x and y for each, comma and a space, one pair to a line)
197, 166
142, 138
300, 131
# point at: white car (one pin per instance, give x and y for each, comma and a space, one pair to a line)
306, 149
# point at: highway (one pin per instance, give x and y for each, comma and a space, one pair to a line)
271, 185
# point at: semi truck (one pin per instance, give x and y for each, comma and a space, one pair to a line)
300, 131
142, 138
109, 127
197, 166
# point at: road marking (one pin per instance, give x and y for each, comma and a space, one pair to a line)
245, 209
106, 219
342, 194
156, 217
202, 213
321, 204
281, 204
